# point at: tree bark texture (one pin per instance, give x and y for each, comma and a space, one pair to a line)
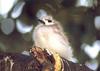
38, 60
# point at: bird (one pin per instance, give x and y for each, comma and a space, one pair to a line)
49, 34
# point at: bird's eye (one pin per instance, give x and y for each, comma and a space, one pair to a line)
49, 20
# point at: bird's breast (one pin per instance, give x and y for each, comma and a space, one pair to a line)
46, 37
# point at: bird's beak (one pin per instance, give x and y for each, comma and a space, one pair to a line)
41, 21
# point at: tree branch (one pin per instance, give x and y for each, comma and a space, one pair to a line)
38, 60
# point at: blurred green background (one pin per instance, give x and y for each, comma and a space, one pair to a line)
79, 18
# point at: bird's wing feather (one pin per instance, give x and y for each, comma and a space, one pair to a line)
60, 33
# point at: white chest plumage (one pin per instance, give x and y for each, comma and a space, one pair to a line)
50, 38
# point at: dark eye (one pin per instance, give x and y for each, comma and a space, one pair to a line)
49, 20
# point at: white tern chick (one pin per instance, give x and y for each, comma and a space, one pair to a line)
48, 34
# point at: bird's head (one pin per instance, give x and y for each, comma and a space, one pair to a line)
46, 20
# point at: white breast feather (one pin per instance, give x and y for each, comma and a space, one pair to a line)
45, 37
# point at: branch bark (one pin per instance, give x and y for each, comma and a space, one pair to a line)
38, 60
